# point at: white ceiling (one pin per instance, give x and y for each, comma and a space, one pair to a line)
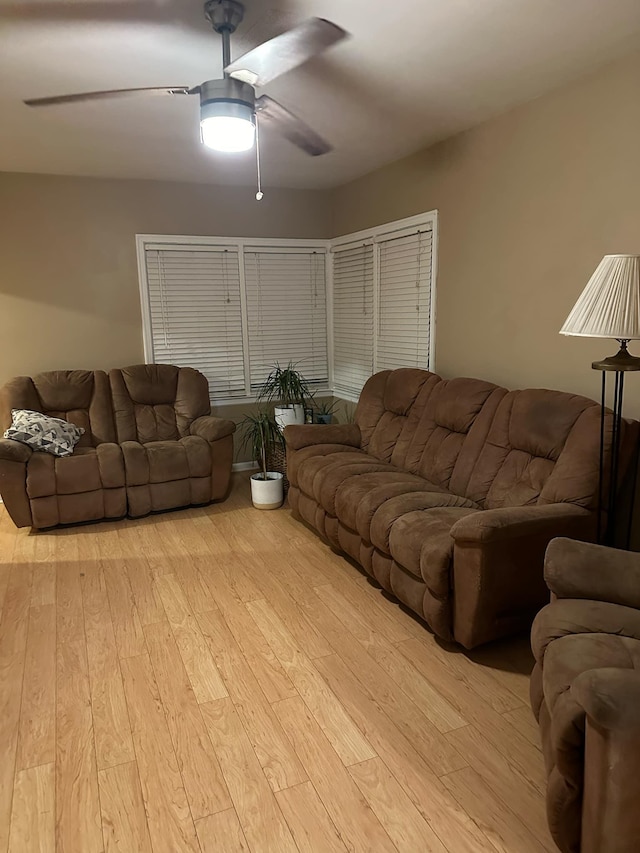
414, 71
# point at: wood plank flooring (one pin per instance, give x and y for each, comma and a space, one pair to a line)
217, 679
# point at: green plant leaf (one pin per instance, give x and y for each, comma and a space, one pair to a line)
285, 386
259, 433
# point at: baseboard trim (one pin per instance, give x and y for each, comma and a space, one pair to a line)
244, 466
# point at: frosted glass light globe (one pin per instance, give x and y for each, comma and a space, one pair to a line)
228, 133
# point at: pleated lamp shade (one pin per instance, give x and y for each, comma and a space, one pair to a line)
609, 306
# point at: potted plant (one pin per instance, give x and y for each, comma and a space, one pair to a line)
288, 389
260, 433
325, 411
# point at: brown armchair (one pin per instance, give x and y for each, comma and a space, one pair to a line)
176, 453
585, 693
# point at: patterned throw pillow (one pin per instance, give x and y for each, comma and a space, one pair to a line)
40, 432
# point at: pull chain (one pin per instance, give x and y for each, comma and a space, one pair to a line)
259, 194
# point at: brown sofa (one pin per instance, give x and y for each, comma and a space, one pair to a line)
447, 492
585, 693
150, 444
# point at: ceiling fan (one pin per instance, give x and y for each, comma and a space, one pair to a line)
228, 107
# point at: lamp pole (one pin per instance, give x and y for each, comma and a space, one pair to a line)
619, 364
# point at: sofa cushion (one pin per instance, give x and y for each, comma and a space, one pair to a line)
156, 423
328, 479
79, 396
166, 461
420, 541
157, 402
358, 498
542, 447
176, 460
79, 507
89, 469
422, 424
384, 407
441, 432
313, 463
392, 510
296, 459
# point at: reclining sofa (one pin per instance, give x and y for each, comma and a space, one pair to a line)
447, 492
150, 444
585, 693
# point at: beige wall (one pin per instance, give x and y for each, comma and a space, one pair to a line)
529, 202
69, 282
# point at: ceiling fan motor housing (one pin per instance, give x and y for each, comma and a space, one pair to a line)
227, 91
239, 98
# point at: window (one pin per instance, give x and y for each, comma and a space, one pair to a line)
232, 309
404, 301
287, 313
383, 305
341, 310
195, 313
352, 318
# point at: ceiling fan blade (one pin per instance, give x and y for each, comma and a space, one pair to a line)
284, 52
291, 127
109, 93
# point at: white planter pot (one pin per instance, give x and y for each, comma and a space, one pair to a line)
269, 493
285, 415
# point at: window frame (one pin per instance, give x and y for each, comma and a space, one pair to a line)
145, 241
375, 236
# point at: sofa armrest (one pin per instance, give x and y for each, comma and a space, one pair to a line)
211, 428
494, 525
610, 814
14, 457
584, 570
14, 451
298, 436
567, 616
610, 697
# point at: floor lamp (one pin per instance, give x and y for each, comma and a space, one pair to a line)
609, 307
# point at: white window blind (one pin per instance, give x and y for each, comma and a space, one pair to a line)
233, 307
353, 324
195, 313
287, 313
404, 301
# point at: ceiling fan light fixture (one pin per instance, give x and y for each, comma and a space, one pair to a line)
227, 126
228, 106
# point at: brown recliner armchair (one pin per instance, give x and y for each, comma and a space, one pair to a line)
585, 693
176, 453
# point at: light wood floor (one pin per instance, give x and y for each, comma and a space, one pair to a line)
217, 680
